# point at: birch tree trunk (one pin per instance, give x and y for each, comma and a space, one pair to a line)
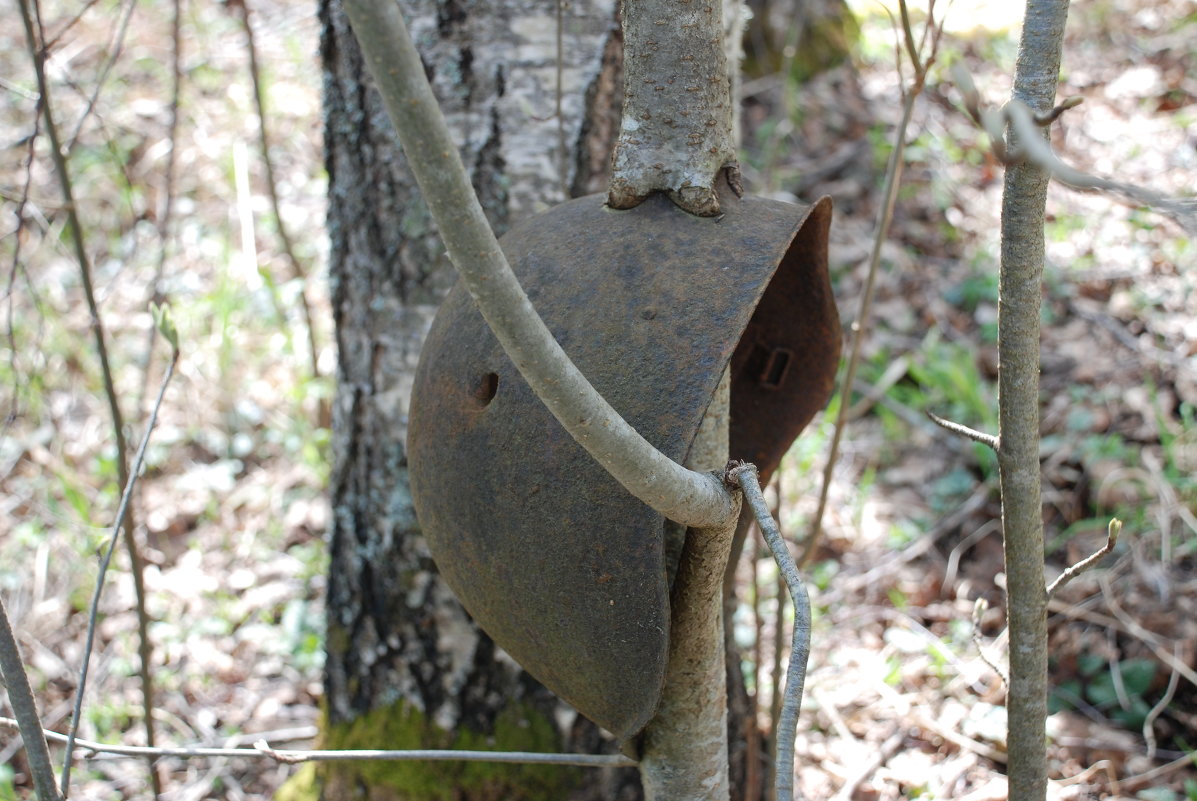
406, 667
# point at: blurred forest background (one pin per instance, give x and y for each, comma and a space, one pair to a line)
178, 205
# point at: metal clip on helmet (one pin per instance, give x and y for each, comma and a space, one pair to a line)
554, 559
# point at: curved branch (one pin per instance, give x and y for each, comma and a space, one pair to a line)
688, 497
787, 723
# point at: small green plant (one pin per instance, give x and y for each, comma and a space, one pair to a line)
1117, 690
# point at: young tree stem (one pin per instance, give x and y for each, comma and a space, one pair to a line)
1024, 201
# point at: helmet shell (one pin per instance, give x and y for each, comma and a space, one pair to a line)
556, 561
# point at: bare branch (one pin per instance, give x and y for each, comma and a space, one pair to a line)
298, 271
1060, 108
1032, 147
964, 431
893, 179
1160, 706
21, 697
59, 156
1112, 532
745, 476
94, 611
262, 750
688, 497
979, 609
1035, 149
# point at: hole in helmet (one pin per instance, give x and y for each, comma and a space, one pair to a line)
776, 367
485, 389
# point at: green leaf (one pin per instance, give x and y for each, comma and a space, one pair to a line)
165, 324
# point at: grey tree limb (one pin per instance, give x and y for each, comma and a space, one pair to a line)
676, 91
262, 750
685, 748
787, 726
1024, 201
686, 496
21, 697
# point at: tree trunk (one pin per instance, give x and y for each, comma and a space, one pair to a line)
406, 668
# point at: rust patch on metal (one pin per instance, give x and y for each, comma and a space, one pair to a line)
553, 558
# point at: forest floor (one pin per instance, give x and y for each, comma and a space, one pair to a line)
903, 696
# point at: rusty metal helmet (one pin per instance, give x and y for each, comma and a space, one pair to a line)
556, 561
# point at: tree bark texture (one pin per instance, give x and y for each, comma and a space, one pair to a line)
405, 665
685, 747
677, 91
1020, 293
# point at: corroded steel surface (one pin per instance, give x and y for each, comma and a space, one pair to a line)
553, 558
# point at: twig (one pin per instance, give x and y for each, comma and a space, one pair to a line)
880, 756
873, 393
116, 46
298, 272
94, 611
53, 41
37, 54
10, 330
1149, 721
964, 431
166, 214
1163, 770
1053, 115
1035, 149
1124, 337
1114, 529
745, 476
262, 750
693, 499
893, 178
23, 706
979, 609
752, 781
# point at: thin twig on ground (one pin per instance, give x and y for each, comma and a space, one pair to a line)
880, 756
1127, 625
1160, 706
